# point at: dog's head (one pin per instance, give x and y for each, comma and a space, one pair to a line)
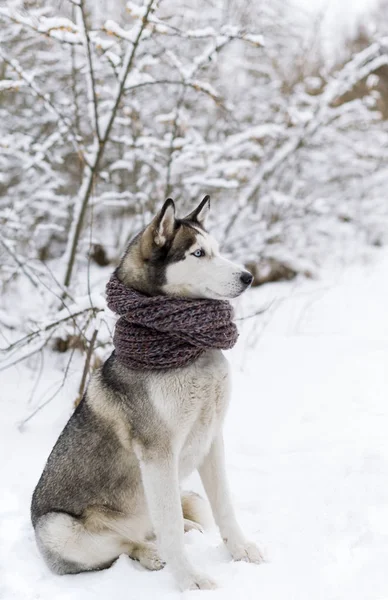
179, 257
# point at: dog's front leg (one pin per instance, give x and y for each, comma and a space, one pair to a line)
213, 475
161, 485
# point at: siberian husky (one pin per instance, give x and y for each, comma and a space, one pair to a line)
112, 482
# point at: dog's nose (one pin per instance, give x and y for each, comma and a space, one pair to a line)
246, 278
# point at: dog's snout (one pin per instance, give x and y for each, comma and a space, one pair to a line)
246, 277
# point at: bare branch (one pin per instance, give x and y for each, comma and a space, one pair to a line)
51, 398
19, 262
65, 33
85, 372
257, 312
368, 61
90, 70
48, 327
195, 85
87, 186
66, 124
173, 137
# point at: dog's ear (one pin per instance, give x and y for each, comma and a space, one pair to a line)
199, 215
160, 230
164, 223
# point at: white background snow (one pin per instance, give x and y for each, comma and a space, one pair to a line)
307, 455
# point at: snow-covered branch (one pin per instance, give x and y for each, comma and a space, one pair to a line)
82, 199
66, 126
91, 83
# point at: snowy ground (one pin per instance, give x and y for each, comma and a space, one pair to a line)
307, 457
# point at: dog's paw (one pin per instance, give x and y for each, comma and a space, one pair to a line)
150, 559
189, 525
246, 551
197, 581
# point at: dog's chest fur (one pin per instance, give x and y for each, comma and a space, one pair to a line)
191, 403
174, 410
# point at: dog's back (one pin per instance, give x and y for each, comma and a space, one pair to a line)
84, 467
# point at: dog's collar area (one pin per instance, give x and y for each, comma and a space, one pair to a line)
166, 332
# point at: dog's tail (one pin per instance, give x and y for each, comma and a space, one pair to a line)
196, 511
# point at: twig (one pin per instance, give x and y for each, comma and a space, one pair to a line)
87, 186
29, 25
34, 387
44, 97
74, 89
372, 59
27, 355
29, 337
46, 402
90, 71
195, 85
23, 267
257, 313
173, 137
85, 372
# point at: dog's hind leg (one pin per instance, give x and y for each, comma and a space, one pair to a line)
69, 547
195, 512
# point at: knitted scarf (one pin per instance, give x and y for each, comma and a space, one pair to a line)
165, 332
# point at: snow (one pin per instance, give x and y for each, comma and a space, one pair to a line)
257, 40
307, 454
48, 24
199, 33
136, 10
11, 84
114, 29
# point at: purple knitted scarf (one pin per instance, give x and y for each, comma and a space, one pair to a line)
164, 332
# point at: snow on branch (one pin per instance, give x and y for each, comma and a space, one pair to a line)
91, 83
59, 28
84, 194
364, 63
66, 126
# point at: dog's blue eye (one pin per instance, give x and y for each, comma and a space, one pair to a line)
199, 253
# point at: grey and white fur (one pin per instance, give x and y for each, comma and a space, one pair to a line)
112, 482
